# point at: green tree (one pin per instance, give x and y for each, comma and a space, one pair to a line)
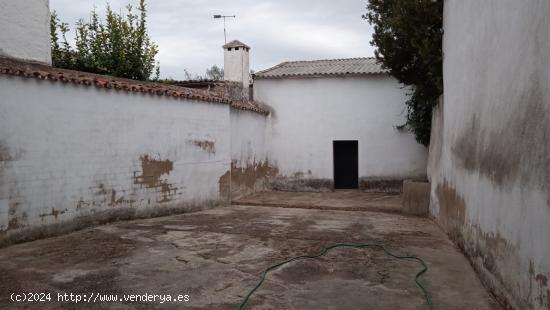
62, 54
214, 73
119, 46
408, 39
190, 77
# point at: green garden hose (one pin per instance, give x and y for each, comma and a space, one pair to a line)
347, 245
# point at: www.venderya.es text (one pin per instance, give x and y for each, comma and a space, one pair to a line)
94, 297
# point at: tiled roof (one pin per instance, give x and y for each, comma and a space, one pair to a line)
248, 106
235, 43
222, 88
325, 67
27, 69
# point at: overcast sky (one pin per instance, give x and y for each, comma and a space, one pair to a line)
189, 38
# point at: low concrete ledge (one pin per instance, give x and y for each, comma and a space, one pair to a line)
416, 197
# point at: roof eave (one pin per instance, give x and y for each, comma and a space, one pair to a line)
308, 76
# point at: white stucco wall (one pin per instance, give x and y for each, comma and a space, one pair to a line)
25, 30
236, 66
308, 114
250, 165
70, 153
490, 170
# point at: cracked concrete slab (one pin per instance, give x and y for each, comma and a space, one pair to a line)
216, 257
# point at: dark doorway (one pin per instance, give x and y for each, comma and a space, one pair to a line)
346, 165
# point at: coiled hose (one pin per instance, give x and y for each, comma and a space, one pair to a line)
346, 245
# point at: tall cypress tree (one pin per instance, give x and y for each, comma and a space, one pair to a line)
408, 39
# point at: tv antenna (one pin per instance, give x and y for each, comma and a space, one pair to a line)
224, 17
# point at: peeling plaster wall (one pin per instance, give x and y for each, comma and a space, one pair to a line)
490, 154
25, 30
308, 114
250, 166
72, 156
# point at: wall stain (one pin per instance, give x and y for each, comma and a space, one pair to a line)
151, 172
515, 152
245, 180
542, 280
544, 294
4, 153
55, 213
381, 185
487, 249
248, 175
511, 153
301, 184
493, 250
224, 184
14, 222
205, 145
102, 190
7, 154
119, 200
452, 211
108, 197
494, 158
81, 203
495, 259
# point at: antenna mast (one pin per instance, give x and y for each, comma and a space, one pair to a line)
224, 17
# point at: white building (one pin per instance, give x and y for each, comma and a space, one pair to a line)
77, 149
334, 123
25, 30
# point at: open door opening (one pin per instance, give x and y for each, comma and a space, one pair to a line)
346, 164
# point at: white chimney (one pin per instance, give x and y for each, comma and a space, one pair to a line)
236, 62
25, 30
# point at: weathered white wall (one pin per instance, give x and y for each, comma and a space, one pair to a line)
250, 167
236, 66
25, 30
73, 155
308, 114
490, 167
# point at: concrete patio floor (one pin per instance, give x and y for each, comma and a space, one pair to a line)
216, 257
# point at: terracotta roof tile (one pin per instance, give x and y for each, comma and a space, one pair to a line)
223, 88
10, 66
325, 67
248, 106
27, 69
